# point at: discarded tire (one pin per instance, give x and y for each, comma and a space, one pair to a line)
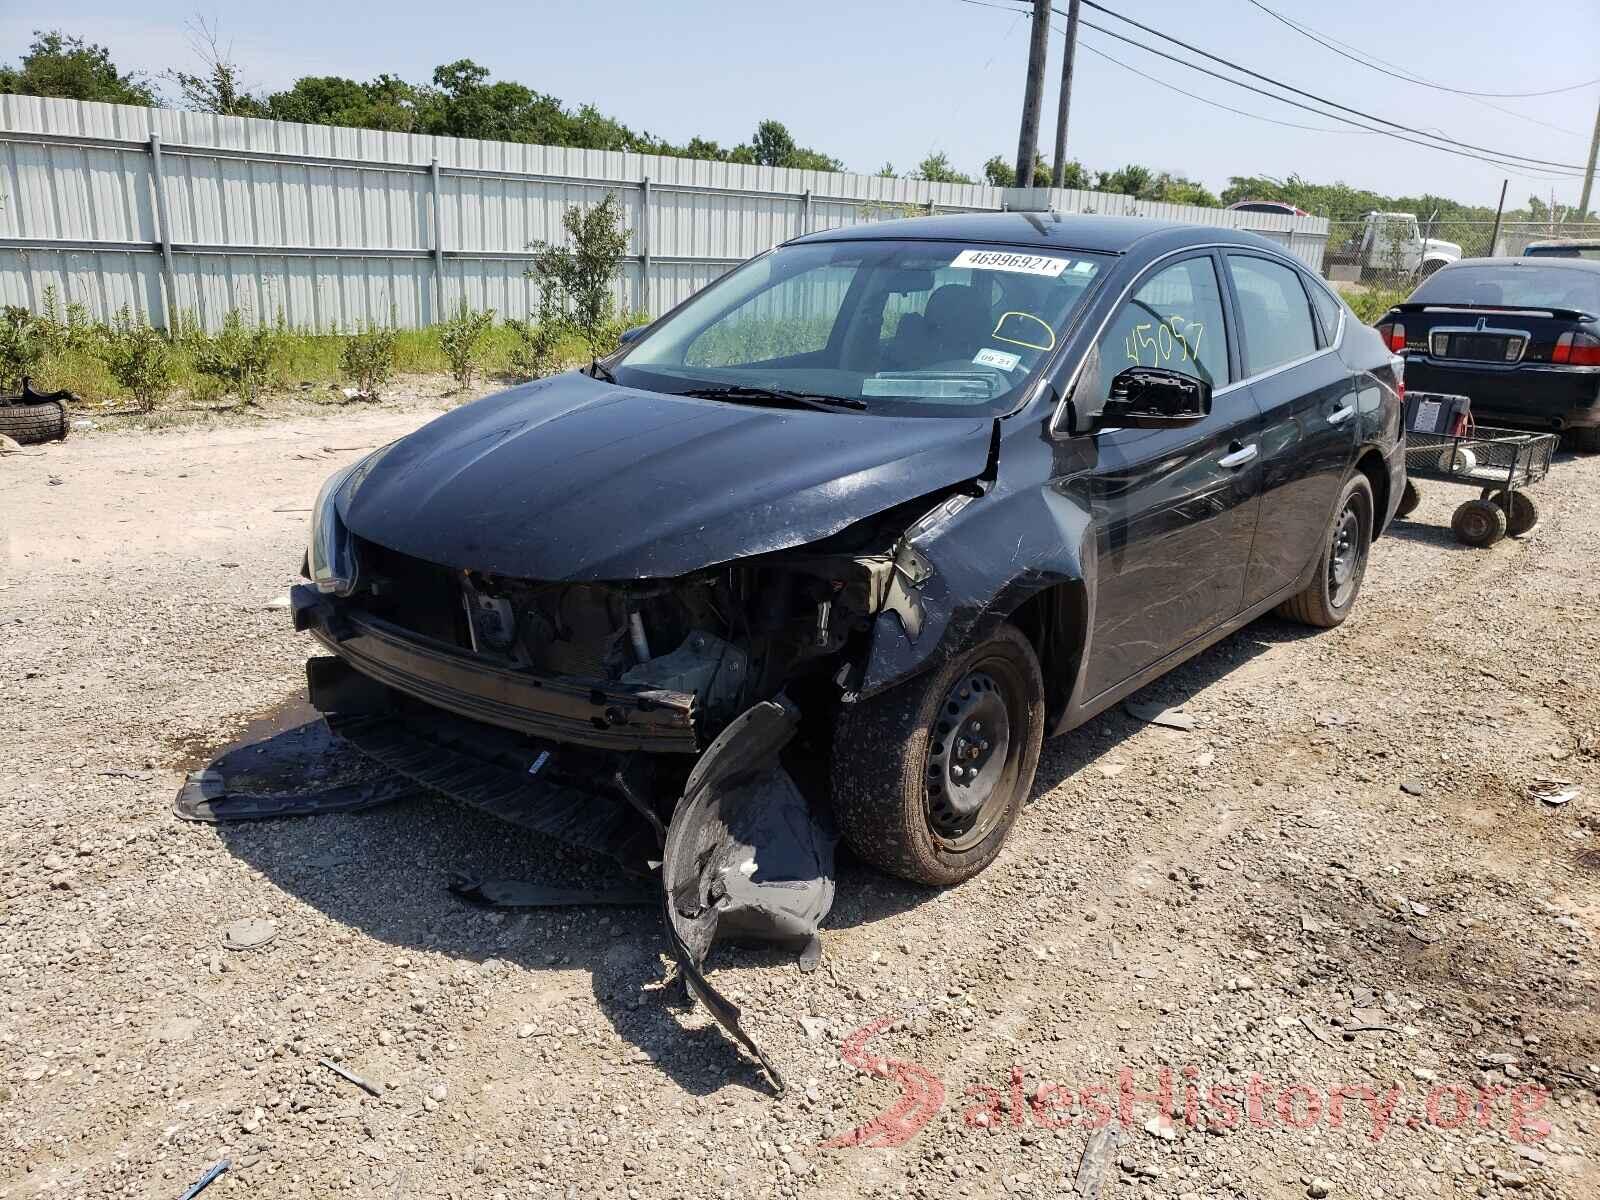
31, 423
1479, 523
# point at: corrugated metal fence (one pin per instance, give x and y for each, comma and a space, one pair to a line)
177, 212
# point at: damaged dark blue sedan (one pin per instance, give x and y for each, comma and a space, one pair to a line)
843, 537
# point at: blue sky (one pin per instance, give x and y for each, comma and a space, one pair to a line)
890, 80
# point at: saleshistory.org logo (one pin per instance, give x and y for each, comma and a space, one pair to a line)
1173, 1097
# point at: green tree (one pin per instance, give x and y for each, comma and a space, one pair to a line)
773, 145
577, 278
936, 168
59, 64
218, 86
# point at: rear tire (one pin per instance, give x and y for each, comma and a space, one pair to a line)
1410, 498
899, 760
33, 423
1587, 439
1479, 523
1330, 596
1522, 511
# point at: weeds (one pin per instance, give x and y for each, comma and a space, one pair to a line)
368, 359
237, 358
139, 359
22, 348
461, 339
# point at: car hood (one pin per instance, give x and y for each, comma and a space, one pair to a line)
572, 479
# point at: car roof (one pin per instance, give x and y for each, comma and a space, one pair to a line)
1552, 263
1581, 244
1046, 230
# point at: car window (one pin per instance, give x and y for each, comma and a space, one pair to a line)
1274, 315
1328, 309
1172, 320
1516, 283
794, 316
892, 326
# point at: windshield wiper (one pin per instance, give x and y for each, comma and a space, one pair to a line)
598, 370
742, 391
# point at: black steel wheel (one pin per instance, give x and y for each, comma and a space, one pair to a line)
929, 777
1331, 594
1409, 499
1522, 511
1479, 523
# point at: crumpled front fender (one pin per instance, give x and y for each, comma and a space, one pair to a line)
979, 563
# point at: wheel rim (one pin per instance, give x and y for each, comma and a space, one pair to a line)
1344, 560
970, 750
1475, 526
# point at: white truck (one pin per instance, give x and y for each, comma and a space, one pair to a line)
1390, 246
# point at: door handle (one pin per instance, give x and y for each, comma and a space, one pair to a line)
1239, 457
1340, 416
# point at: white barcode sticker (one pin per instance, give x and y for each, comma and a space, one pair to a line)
1010, 260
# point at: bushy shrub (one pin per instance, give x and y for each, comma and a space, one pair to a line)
22, 347
461, 339
138, 358
534, 353
1369, 304
237, 358
578, 277
368, 358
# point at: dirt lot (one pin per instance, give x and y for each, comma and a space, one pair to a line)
1335, 886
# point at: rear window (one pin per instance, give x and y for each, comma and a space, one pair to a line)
1591, 252
1529, 283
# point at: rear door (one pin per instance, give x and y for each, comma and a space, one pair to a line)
1307, 398
1174, 509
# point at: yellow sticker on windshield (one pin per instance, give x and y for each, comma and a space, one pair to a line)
1024, 329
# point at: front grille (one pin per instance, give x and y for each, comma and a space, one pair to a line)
413, 594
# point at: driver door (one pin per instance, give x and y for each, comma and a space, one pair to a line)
1174, 509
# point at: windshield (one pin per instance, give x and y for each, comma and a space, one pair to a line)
899, 327
1529, 283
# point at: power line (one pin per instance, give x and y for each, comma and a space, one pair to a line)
1500, 155
1098, 53
1328, 42
1514, 163
1516, 167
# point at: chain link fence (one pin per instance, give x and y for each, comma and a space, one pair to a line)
1396, 251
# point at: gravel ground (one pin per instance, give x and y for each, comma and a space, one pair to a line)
1335, 884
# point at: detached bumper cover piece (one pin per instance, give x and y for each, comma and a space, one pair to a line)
745, 858
584, 712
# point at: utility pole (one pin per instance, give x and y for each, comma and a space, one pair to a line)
1064, 105
1494, 238
1033, 94
1588, 178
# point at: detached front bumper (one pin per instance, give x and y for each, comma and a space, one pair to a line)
585, 712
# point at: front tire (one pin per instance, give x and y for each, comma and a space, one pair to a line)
929, 777
1329, 597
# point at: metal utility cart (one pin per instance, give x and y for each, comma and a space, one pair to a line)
1501, 463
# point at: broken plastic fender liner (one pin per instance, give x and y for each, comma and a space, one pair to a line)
745, 857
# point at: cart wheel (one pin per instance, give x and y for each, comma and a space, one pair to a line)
1479, 523
1409, 499
1522, 512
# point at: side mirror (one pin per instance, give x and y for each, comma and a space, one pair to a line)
630, 336
1154, 398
